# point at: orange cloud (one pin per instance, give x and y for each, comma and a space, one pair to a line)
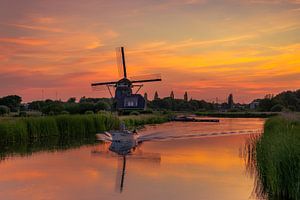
25, 41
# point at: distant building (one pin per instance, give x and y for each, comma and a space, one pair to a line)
146, 96
230, 101
254, 104
172, 96
185, 96
156, 96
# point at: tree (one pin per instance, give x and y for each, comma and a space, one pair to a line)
172, 96
156, 96
185, 96
71, 100
277, 108
11, 101
101, 105
54, 107
87, 106
266, 104
230, 101
4, 110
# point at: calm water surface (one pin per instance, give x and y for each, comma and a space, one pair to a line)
186, 168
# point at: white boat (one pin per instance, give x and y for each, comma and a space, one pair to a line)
121, 135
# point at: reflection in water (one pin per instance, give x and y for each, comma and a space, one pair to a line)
50, 144
249, 154
123, 150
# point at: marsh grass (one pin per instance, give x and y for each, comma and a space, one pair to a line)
275, 159
22, 130
141, 120
25, 136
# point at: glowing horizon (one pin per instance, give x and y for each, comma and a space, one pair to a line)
208, 48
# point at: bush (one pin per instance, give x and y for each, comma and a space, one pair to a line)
277, 108
89, 112
4, 110
101, 105
64, 112
23, 114
134, 113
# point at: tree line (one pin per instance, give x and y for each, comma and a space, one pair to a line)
285, 101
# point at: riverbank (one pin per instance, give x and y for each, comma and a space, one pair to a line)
237, 114
277, 158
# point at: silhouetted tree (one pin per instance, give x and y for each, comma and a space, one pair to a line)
4, 110
71, 100
11, 101
101, 105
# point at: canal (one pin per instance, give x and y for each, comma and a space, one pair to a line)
178, 161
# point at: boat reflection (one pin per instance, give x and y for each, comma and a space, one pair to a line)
124, 151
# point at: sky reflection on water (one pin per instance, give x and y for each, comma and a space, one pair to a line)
203, 168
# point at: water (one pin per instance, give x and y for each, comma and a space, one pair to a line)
191, 167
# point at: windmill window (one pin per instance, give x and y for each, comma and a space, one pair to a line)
130, 102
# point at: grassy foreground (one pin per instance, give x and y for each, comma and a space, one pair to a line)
237, 114
277, 158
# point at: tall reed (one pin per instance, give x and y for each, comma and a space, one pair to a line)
65, 126
277, 159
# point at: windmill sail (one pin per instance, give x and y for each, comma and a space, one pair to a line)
121, 63
146, 78
104, 83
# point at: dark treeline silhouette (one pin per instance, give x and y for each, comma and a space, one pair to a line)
71, 106
285, 101
169, 103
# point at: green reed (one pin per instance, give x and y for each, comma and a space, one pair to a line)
30, 129
276, 157
141, 120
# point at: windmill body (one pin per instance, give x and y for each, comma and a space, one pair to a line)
124, 98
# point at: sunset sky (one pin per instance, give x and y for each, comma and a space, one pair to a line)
209, 48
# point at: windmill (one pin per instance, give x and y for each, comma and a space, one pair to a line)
124, 98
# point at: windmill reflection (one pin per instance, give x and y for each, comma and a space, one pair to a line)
125, 151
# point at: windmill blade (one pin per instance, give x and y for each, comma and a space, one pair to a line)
119, 62
145, 78
104, 83
120, 53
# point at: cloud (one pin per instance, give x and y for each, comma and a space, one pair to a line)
25, 41
38, 28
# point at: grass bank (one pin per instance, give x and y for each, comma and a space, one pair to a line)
277, 158
141, 120
24, 130
30, 129
237, 114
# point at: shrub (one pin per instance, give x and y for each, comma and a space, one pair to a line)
101, 105
23, 114
89, 112
134, 113
277, 108
4, 110
64, 112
